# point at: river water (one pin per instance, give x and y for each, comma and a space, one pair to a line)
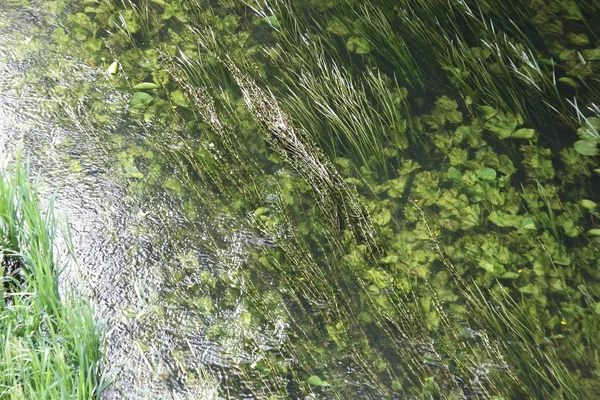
126, 247
237, 242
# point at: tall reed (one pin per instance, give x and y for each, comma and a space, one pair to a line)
51, 347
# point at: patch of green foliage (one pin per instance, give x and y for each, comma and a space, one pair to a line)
51, 348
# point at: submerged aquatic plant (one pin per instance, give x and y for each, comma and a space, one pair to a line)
301, 124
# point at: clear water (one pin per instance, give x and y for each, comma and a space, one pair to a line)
212, 291
138, 252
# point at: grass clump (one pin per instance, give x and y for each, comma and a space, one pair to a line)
49, 346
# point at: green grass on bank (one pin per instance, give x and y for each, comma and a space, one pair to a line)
49, 345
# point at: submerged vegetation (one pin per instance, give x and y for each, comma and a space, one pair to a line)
420, 179
50, 347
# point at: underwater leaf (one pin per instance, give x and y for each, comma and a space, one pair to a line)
358, 45
131, 171
173, 184
578, 39
397, 187
113, 68
590, 129
445, 111
146, 86
587, 147
449, 109
567, 223
391, 259
594, 123
469, 217
273, 21
337, 27
540, 265
505, 220
408, 166
132, 24
588, 205
383, 217
530, 289
591, 54
179, 98
454, 174
509, 275
141, 99
486, 174
458, 156
261, 211
505, 165
523, 133
487, 111
569, 81
528, 223
314, 380
546, 61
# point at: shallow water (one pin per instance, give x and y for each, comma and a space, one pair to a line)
127, 246
225, 266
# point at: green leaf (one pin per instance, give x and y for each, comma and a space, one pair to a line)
358, 45
569, 81
530, 289
523, 133
503, 124
454, 174
486, 174
593, 123
528, 223
141, 99
590, 129
391, 259
146, 86
113, 68
594, 232
337, 27
540, 265
586, 147
578, 39
588, 205
261, 211
509, 275
469, 216
316, 381
397, 186
591, 54
273, 21
173, 184
179, 98
408, 166
383, 217
505, 220
487, 111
